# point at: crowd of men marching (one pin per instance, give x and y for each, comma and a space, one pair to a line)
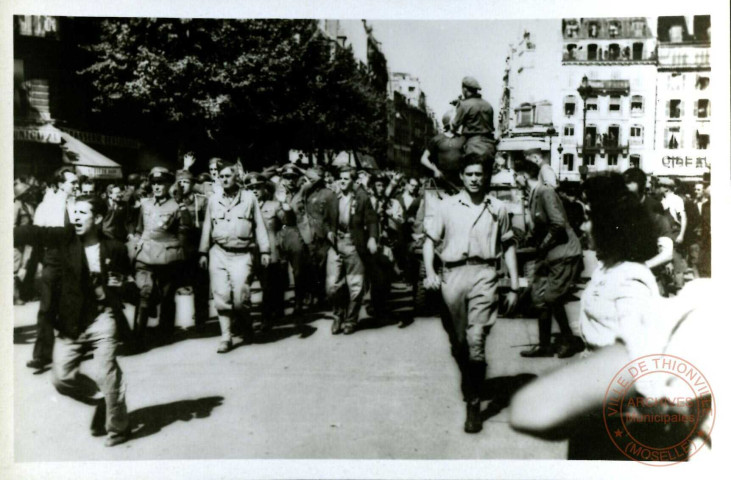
337, 233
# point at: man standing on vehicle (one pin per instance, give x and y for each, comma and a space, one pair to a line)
474, 120
474, 231
232, 231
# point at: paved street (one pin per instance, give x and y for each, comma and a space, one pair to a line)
383, 392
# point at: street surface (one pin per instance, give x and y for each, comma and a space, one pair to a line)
382, 393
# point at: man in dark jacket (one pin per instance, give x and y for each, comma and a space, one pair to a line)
357, 231
93, 271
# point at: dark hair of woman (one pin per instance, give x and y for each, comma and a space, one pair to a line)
620, 227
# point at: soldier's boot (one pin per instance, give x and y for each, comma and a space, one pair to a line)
475, 373
226, 343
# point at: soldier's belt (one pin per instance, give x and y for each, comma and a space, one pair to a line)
235, 249
492, 262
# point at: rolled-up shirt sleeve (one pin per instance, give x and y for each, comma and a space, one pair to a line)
434, 221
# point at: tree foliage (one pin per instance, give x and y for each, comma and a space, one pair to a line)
249, 88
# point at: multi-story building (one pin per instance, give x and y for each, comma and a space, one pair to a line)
609, 123
683, 96
526, 115
411, 124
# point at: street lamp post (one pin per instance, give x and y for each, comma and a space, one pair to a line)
551, 132
585, 90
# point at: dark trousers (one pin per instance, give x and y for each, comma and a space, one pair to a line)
274, 281
318, 251
380, 274
295, 253
198, 278
157, 284
50, 290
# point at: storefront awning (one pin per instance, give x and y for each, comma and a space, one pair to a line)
88, 161
521, 143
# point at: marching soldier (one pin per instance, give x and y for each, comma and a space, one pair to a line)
274, 277
294, 235
233, 232
160, 235
195, 204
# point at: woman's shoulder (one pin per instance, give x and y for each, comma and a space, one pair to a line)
626, 275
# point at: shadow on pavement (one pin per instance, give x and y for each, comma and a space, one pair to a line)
150, 420
499, 391
280, 333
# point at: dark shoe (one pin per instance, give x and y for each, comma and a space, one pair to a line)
405, 322
37, 364
473, 424
336, 328
224, 346
98, 421
117, 438
538, 351
348, 329
570, 347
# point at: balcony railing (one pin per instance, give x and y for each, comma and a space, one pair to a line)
607, 57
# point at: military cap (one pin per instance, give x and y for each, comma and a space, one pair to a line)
471, 82
204, 177
290, 171
160, 173
183, 175
254, 180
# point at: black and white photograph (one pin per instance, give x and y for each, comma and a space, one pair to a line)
279, 238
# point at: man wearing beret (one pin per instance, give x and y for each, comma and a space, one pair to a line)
195, 204
474, 116
160, 235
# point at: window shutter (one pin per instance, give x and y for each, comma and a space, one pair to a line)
667, 109
681, 109
695, 108
708, 109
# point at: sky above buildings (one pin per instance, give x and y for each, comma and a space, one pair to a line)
441, 52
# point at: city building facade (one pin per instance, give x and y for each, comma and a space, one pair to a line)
607, 109
683, 96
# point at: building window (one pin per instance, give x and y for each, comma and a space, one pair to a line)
634, 161
568, 161
571, 51
590, 137
589, 159
569, 105
592, 103
676, 34
673, 138
615, 103
637, 49
637, 104
676, 81
615, 29
525, 115
702, 141
614, 52
675, 108
701, 82
638, 28
568, 130
703, 108
572, 29
611, 139
592, 52
612, 160
635, 134
593, 30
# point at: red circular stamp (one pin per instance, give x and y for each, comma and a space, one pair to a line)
659, 410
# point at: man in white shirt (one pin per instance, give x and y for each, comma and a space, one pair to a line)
546, 176
675, 208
